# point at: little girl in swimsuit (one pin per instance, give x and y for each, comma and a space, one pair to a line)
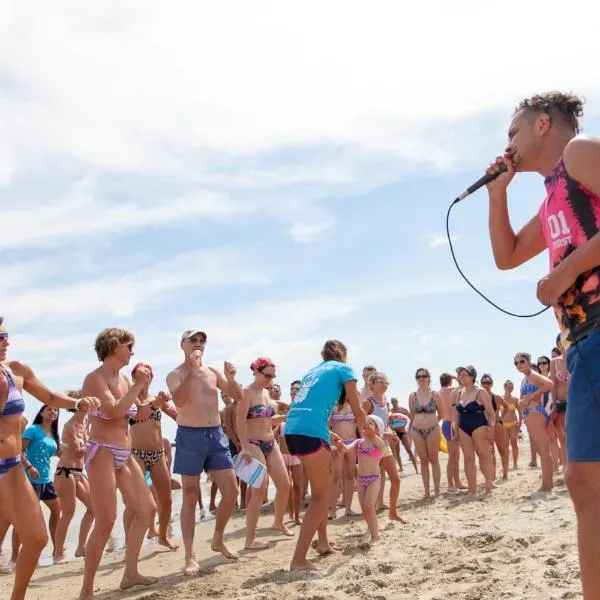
370, 451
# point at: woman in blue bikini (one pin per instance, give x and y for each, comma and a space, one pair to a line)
533, 388
20, 505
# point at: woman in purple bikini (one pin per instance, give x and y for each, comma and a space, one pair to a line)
108, 458
20, 505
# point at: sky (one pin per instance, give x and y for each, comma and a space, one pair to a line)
275, 173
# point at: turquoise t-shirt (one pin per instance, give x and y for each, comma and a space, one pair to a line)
320, 390
41, 449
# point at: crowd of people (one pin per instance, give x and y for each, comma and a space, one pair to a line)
331, 439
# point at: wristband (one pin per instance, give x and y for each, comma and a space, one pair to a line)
77, 404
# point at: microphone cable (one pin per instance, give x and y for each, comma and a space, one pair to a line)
575, 342
506, 312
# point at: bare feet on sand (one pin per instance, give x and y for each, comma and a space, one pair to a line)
191, 567
256, 545
394, 516
283, 529
152, 533
131, 581
217, 546
167, 543
351, 513
306, 565
79, 552
60, 559
324, 548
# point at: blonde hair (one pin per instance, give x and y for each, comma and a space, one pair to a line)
108, 340
377, 375
375, 420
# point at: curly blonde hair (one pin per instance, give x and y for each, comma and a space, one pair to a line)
108, 340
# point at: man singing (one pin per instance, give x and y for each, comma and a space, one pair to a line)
543, 138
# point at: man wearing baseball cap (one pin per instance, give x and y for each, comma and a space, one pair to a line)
201, 444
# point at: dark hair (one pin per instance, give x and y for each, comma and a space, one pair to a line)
559, 106
543, 357
295, 382
342, 398
1, 320
525, 355
423, 370
445, 379
509, 382
108, 340
556, 350
487, 376
535, 368
369, 368
54, 427
334, 350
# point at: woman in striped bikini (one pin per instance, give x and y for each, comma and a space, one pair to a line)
20, 505
108, 458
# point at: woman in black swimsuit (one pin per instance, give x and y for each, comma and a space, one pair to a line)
474, 418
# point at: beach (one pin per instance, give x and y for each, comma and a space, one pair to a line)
511, 544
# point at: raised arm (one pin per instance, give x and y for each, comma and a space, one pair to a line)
112, 407
37, 389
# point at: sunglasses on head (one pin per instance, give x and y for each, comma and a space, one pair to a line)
521, 361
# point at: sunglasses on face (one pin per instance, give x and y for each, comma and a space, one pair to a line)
486, 383
422, 376
3, 336
521, 361
196, 340
268, 375
543, 362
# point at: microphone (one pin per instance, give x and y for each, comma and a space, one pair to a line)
481, 182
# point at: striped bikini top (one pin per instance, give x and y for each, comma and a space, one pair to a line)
96, 412
15, 405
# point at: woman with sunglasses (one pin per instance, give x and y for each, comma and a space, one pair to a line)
543, 365
307, 436
376, 404
560, 379
500, 436
108, 460
474, 419
20, 505
255, 418
533, 387
149, 451
511, 419
425, 407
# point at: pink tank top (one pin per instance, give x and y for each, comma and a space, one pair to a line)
569, 217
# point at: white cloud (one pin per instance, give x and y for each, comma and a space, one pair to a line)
440, 240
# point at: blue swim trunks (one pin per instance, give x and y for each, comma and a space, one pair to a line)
200, 449
583, 417
447, 431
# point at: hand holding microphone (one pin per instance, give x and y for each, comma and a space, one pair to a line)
501, 172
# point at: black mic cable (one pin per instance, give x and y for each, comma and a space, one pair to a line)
478, 184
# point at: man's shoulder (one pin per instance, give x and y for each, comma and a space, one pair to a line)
176, 372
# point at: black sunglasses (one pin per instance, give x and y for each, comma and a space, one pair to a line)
521, 361
422, 376
487, 382
3, 335
543, 362
196, 340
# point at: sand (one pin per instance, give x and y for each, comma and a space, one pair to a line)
511, 544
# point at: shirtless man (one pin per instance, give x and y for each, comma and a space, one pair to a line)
200, 441
451, 436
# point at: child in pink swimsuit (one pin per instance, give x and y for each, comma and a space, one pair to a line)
370, 451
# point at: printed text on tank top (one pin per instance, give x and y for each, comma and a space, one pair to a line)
569, 217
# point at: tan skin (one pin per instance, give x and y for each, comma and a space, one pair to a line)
148, 436
296, 476
261, 428
368, 465
511, 414
387, 463
452, 466
536, 422
344, 463
543, 365
20, 505
500, 435
72, 488
560, 392
117, 395
405, 439
193, 387
538, 141
479, 443
427, 449
319, 472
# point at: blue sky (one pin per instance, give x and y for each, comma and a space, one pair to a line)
276, 173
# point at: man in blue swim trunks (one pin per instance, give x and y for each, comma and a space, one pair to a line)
201, 444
